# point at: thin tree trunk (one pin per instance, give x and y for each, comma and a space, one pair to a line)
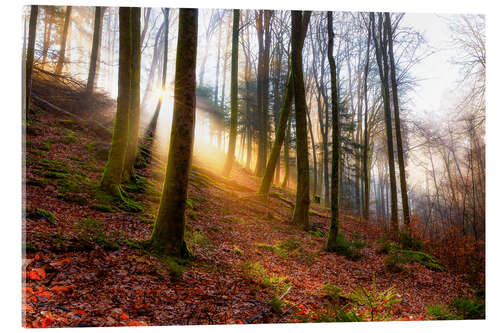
30, 54
96, 45
331, 243
64, 37
49, 20
234, 95
381, 52
397, 125
366, 143
281, 130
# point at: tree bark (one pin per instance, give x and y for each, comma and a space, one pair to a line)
96, 45
30, 55
397, 125
135, 94
381, 55
301, 210
282, 123
64, 37
331, 242
366, 143
168, 233
112, 177
234, 95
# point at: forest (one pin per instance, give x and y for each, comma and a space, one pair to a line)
215, 166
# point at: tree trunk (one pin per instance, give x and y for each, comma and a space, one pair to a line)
234, 95
166, 12
397, 125
64, 37
331, 242
265, 184
381, 55
96, 45
49, 20
135, 94
301, 210
152, 69
168, 233
30, 55
281, 130
366, 143
286, 154
111, 179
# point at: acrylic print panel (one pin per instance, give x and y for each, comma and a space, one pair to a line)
220, 166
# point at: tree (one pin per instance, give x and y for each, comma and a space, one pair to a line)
49, 15
135, 94
96, 45
281, 129
234, 95
112, 176
264, 40
366, 137
301, 209
397, 125
30, 54
64, 37
168, 233
331, 242
380, 42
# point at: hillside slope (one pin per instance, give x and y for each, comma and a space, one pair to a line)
84, 266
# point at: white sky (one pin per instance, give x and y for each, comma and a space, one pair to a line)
438, 75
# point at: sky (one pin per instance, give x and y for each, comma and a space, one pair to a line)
438, 74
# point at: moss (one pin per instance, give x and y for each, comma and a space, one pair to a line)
175, 266
196, 239
69, 138
469, 308
102, 208
90, 230
129, 205
277, 284
282, 249
397, 257
148, 218
346, 248
441, 312
120, 201
409, 242
40, 213
55, 175
73, 198
425, 259
36, 181
70, 124
316, 232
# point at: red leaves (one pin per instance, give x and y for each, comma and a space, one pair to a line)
47, 321
124, 316
36, 274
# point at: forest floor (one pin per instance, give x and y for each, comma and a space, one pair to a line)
84, 267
